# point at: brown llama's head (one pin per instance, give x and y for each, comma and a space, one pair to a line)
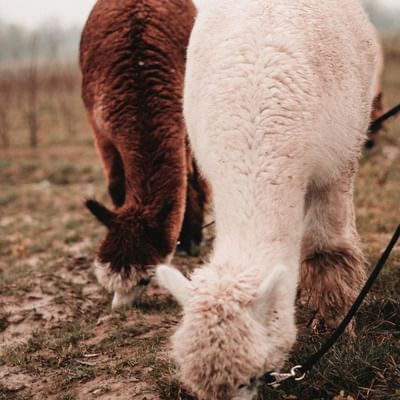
136, 241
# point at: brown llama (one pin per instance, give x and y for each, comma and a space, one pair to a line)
132, 58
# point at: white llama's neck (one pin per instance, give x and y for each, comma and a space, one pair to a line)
259, 228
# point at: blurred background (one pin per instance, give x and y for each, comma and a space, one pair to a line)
39, 75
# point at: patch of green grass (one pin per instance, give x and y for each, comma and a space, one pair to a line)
15, 276
60, 347
365, 367
8, 394
123, 336
80, 373
66, 396
168, 306
16, 356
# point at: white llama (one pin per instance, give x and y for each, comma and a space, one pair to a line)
277, 102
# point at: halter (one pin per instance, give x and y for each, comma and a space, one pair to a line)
377, 124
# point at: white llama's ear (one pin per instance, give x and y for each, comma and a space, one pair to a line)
174, 282
268, 291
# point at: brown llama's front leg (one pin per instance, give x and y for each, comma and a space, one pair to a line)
197, 197
113, 167
332, 269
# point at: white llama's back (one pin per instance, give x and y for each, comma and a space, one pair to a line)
289, 76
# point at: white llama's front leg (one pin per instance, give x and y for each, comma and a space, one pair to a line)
332, 269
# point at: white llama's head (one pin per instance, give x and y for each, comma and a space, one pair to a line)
233, 328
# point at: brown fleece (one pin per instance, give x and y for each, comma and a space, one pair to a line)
331, 280
132, 60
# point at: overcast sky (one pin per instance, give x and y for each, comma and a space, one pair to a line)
32, 13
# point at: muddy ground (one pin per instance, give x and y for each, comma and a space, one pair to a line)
59, 338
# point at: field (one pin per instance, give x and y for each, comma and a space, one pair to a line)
59, 338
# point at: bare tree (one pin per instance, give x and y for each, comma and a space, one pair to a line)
64, 78
32, 92
69, 82
6, 83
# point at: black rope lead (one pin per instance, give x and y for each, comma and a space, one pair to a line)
298, 372
306, 367
377, 124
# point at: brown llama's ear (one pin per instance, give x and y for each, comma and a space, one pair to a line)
102, 213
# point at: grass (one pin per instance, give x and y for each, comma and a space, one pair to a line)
58, 336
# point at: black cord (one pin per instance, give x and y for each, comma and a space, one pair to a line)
377, 124
306, 367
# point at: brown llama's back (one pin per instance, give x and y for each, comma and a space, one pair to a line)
132, 61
